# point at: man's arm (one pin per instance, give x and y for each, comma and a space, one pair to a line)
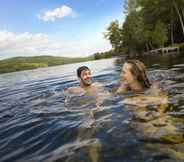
102, 94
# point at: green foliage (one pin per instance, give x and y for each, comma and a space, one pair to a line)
103, 55
159, 35
148, 24
134, 34
130, 6
27, 63
114, 35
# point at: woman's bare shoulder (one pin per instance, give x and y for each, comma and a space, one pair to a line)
123, 88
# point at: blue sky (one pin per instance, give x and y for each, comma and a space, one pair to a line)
70, 28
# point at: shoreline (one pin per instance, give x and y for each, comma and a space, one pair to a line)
41, 67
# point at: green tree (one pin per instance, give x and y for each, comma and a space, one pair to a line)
168, 12
130, 6
113, 34
159, 35
148, 24
179, 12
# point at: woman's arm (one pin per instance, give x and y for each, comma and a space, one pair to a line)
123, 88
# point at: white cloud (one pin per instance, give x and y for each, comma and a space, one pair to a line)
29, 44
61, 12
21, 43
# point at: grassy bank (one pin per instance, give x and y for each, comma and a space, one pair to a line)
27, 63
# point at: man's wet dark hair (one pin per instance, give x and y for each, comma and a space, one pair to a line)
80, 69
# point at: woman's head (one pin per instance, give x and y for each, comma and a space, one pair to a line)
135, 71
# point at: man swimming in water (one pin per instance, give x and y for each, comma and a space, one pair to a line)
86, 84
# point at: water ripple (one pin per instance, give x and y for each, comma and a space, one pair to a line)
39, 122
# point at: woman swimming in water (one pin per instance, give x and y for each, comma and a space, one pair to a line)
149, 104
134, 77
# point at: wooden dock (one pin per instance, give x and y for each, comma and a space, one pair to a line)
165, 50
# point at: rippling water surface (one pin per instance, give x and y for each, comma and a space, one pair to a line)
37, 124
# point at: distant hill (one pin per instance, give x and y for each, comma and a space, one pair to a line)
26, 63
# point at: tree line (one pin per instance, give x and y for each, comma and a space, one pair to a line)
149, 24
28, 63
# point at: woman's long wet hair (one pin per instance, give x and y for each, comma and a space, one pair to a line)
138, 70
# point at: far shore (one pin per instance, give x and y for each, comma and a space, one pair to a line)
28, 63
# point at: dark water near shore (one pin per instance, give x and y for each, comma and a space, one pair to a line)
37, 125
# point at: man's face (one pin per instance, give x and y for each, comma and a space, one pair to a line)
86, 77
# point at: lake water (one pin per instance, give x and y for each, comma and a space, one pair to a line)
37, 125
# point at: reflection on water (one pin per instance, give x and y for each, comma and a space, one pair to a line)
39, 122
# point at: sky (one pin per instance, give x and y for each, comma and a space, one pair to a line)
68, 28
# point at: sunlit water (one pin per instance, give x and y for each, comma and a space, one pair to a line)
38, 123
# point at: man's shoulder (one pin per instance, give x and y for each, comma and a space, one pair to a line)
75, 90
97, 84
